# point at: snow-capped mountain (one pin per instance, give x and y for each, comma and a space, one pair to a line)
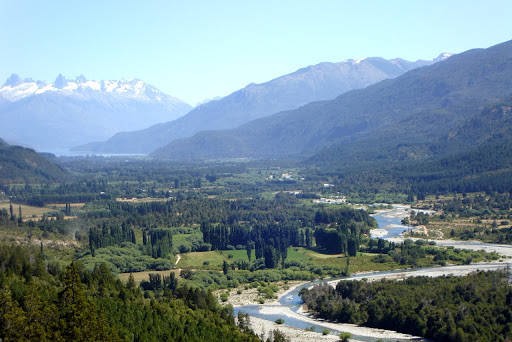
70, 112
16, 88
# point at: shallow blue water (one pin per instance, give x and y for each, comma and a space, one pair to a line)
393, 225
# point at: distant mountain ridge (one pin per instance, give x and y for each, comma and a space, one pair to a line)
317, 82
400, 118
66, 113
15, 88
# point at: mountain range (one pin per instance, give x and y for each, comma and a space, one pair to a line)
408, 117
67, 113
323, 81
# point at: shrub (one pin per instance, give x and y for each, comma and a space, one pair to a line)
279, 321
345, 336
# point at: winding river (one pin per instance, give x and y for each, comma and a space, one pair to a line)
390, 227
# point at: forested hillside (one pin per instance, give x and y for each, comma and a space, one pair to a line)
24, 165
474, 156
41, 303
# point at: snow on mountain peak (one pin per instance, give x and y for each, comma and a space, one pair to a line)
443, 56
16, 88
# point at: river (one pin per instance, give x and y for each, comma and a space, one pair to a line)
289, 305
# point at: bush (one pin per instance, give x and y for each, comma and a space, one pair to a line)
183, 249
345, 336
325, 332
279, 321
382, 258
204, 247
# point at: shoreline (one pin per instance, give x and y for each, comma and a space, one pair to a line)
274, 307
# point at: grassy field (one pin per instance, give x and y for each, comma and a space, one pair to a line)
179, 239
361, 263
27, 211
216, 258
196, 259
238, 254
63, 205
140, 276
310, 253
30, 212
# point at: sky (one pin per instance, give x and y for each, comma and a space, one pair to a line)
195, 50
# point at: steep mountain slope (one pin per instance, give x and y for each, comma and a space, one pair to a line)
19, 165
416, 108
480, 157
318, 82
492, 124
66, 113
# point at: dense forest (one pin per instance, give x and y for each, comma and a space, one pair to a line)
476, 307
72, 304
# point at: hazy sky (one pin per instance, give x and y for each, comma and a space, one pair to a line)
200, 49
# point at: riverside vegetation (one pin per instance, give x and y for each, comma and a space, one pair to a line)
471, 308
